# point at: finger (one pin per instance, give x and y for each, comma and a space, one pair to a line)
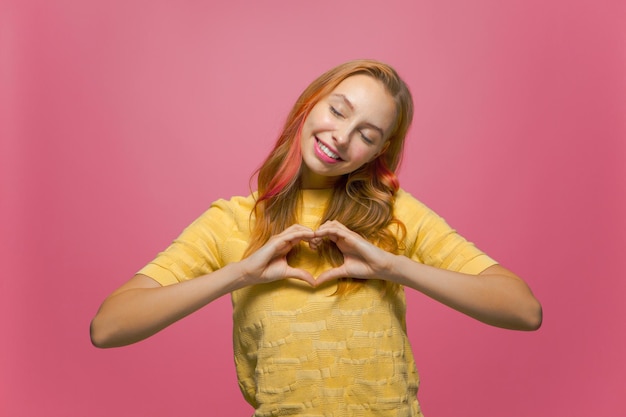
315, 243
296, 231
297, 226
332, 225
302, 275
334, 229
330, 233
300, 233
330, 275
346, 240
286, 240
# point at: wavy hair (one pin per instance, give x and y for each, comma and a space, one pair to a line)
362, 200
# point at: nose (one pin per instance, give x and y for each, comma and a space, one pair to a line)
341, 135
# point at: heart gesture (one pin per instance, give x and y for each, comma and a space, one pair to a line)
269, 263
362, 259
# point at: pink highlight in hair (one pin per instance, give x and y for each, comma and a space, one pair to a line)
288, 169
385, 175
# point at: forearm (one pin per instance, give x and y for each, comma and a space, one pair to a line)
141, 307
134, 313
496, 297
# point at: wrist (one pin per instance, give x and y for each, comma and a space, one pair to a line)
388, 267
242, 277
393, 267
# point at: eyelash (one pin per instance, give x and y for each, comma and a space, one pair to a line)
366, 139
335, 112
338, 114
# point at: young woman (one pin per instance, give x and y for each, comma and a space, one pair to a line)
316, 262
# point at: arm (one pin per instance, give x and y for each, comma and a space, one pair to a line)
142, 307
496, 296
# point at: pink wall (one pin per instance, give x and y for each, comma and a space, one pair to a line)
120, 121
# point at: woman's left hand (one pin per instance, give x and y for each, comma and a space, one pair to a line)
496, 296
362, 259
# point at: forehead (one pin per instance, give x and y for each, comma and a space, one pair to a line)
369, 98
361, 84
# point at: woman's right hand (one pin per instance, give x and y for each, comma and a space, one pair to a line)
141, 307
269, 263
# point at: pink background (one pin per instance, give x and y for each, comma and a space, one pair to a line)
120, 121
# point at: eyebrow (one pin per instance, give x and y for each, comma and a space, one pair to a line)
349, 104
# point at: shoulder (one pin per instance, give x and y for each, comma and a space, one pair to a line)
234, 206
407, 205
417, 216
227, 213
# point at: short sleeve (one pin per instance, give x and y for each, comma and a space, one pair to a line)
206, 245
431, 241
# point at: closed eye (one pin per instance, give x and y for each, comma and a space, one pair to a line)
366, 139
335, 112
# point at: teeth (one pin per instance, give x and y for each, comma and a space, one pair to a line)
327, 151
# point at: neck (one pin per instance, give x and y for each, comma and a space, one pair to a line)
312, 181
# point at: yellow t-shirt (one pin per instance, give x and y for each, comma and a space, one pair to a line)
299, 350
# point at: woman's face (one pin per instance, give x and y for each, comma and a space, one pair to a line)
345, 130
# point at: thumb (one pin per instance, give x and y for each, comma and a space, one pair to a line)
302, 275
331, 274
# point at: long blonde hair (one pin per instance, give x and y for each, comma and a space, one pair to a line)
363, 199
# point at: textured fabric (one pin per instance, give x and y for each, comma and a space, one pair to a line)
301, 351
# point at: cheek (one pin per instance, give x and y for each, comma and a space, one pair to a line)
363, 154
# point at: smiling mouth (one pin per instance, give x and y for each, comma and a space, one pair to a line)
326, 151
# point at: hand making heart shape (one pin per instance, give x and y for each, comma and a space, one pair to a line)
362, 259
